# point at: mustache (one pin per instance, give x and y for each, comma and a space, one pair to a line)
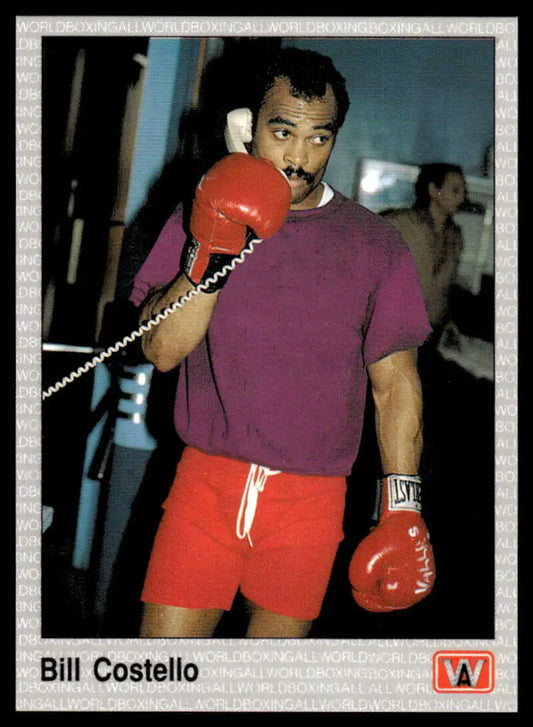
299, 172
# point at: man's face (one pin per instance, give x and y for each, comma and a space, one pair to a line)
298, 137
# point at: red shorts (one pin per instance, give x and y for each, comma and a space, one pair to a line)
202, 554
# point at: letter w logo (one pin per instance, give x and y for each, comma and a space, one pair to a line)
463, 676
464, 671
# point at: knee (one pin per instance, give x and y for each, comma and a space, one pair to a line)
160, 621
267, 624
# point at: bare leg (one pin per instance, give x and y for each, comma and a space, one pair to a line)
266, 624
172, 622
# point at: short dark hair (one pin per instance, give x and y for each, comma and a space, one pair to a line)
308, 73
434, 173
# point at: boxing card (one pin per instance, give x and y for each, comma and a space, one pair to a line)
116, 119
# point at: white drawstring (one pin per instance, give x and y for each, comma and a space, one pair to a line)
257, 477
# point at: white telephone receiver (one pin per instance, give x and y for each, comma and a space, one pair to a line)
238, 130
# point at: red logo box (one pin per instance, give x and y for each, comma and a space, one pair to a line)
463, 671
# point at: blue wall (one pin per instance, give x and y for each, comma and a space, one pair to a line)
412, 101
168, 85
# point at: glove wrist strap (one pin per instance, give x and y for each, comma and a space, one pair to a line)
398, 493
216, 266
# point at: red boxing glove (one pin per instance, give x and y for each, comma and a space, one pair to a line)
237, 193
393, 567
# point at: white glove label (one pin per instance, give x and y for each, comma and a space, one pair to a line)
404, 492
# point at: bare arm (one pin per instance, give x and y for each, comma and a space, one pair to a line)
398, 402
168, 343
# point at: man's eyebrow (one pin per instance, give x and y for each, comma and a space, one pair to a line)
280, 120
330, 126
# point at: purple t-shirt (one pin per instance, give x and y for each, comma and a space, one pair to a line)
280, 379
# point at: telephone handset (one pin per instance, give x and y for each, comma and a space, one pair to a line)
238, 132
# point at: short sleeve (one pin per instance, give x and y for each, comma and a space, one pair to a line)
398, 318
163, 261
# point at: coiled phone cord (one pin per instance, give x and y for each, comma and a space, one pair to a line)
151, 323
